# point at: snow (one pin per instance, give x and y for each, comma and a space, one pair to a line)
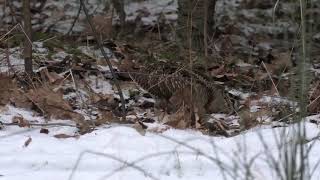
59, 56
110, 151
155, 8
238, 93
98, 85
121, 152
94, 53
62, 13
16, 61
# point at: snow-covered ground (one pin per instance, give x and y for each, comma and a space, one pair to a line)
119, 152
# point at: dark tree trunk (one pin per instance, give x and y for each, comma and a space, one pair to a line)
196, 23
27, 42
119, 6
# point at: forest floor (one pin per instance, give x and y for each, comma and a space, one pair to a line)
65, 123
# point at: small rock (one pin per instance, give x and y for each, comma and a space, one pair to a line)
44, 131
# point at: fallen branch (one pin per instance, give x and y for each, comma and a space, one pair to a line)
274, 85
114, 75
39, 124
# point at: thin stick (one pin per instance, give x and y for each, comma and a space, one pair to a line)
109, 156
315, 98
205, 28
77, 90
10, 68
75, 20
3, 36
22, 30
114, 75
275, 87
39, 124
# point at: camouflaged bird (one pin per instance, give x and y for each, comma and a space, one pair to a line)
180, 87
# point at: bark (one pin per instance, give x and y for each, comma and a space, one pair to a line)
119, 6
28, 32
196, 22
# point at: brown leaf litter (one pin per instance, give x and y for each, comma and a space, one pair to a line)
8, 90
47, 102
21, 121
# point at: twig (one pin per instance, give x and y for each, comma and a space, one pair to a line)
274, 10
275, 87
223, 166
10, 68
316, 97
39, 124
114, 75
205, 28
12, 9
22, 30
3, 36
108, 156
75, 19
312, 139
76, 88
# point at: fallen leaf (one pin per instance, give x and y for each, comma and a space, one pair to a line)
105, 117
20, 121
158, 129
52, 77
54, 106
140, 129
178, 119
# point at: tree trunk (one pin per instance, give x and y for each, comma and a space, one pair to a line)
119, 6
27, 41
196, 23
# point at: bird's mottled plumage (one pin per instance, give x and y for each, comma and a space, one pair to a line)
180, 86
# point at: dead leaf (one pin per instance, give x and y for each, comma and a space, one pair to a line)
158, 129
27, 142
20, 121
52, 77
247, 119
141, 130
8, 90
281, 63
102, 24
105, 117
3, 109
178, 119
54, 106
